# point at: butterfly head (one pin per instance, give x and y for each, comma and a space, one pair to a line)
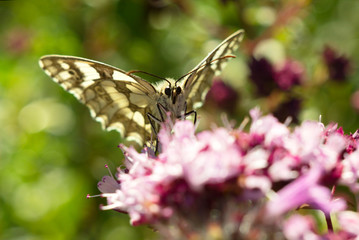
173, 93
172, 97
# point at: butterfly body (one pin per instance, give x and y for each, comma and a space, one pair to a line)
129, 104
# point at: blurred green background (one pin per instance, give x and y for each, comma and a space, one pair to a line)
52, 154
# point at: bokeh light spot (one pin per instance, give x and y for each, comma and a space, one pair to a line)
270, 49
46, 115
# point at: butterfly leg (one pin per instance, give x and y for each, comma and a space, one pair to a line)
161, 110
192, 112
153, 120
186, 114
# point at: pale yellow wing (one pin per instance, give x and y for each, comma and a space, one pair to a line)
118, 100
197, 84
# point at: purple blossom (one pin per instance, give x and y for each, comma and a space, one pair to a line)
352, 142
289, 108
222, 96
305, 190
338, 66
262, 74
108, 184
268, 77
288, 74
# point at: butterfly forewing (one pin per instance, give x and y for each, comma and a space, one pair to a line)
115, 99
197, 84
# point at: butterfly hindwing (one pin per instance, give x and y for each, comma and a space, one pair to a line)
115, 99
197, 84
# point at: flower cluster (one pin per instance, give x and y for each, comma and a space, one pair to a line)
268, 77
236, 184
338, 65
277, 82
222, 96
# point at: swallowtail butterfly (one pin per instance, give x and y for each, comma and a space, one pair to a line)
129, 104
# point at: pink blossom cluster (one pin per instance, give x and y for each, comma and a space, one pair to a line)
239, 184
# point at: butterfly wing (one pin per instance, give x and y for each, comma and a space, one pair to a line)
197, 84
118, 100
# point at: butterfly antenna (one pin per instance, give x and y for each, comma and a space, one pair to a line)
150, 74
204, 64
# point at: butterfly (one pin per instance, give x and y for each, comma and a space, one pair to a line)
129, 104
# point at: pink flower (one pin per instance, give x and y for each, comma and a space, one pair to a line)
108, 184
349, 222
350, 174
305, 189
299, 227
270, 128
208, 158
234, 178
